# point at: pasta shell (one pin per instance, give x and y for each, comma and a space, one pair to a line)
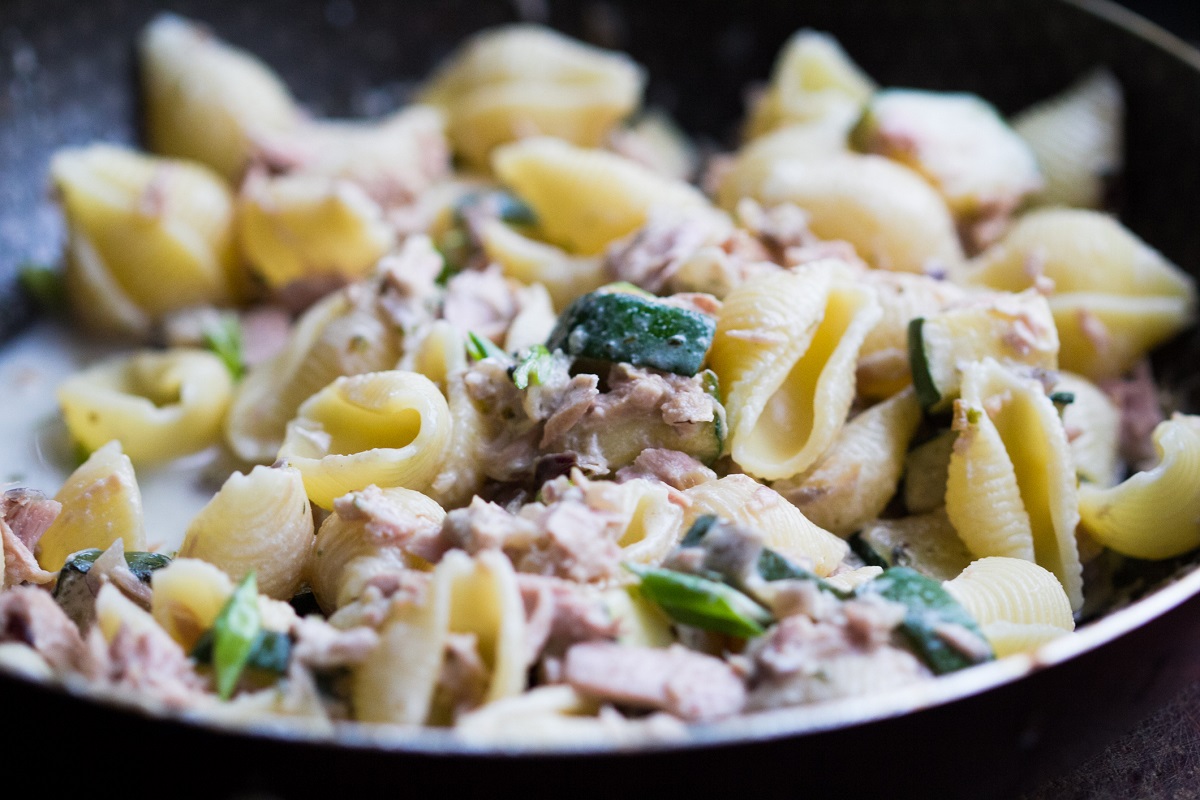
1010, 487
586, 199
261, 523
525, 80
566, 277
785, 347
1156, 513
188, 594
159, 405
382, 428
813, 77
304, 226
894, 219
100, 504
146, 236
206, 100
741, 499
1104, 335
1093, 426
857, 477
650, 523
1014, 601
351, 548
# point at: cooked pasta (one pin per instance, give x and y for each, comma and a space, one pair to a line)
564, 449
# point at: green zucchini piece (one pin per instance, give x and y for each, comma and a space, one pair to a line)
699, 529
271, 651
702, 603
773, 566
75, 597
927, 543
924, 383
619, 326
932, 614
925, 469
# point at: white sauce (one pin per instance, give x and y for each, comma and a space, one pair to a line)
37, 452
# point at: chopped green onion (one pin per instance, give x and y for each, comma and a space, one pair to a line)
773, 566
533, 366
481, 347
45, 285
698, 530
931, 610
233, 635
271, 651
224, 338
702, 603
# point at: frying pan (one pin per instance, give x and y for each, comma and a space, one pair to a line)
66, 77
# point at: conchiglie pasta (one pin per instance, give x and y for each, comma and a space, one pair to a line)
1017, 604
565, 277
188, 595
857, 477
206, 100
305, 226
813, 78
1104, 335
383, 428
397, 682
101, 503
146, 236
1156, 513
362, 539
344, 334
741, 499
894, 219
650, 523
159, 405
1093, 425
586, 199
785, 350
525, 80
260, 523
1010, 487
436, 351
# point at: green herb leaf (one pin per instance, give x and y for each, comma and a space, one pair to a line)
932, 611
533, 366
698, 530
702, 603
224, 338
234, 633
45, 285
774, 566
481, 347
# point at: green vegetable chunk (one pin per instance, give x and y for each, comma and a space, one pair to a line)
702, 603
940, 630
481, 347
271, 651
533, 366
619, 326
234, 634
773, 566
224, 339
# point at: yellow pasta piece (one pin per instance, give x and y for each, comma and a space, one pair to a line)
785, 350
159, 405
1104, 335
586, 199
188, 595
100, 504
741, 499
115, 611
304, 226
261, 523
1093, 425
813, 77
382, 428
1014, 601
650, 523
352, 547
1156, 513
525, 80
146, 236
1010, 487
206, 100
856, 478
565, 277
894, 219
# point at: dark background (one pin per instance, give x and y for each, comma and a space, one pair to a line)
1181, 17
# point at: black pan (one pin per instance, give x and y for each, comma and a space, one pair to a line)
66, 77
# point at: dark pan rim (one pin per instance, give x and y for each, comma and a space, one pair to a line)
791, 722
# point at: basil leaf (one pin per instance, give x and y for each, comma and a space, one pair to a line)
224, 338
481, 347
931, 610
234, 632
773, 566
702, 603
533, 366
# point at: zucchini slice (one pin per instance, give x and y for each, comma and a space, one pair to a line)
619, 326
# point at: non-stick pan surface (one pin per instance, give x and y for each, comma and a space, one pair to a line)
67, 77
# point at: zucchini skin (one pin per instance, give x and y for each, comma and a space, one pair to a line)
928, 394
623, 327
